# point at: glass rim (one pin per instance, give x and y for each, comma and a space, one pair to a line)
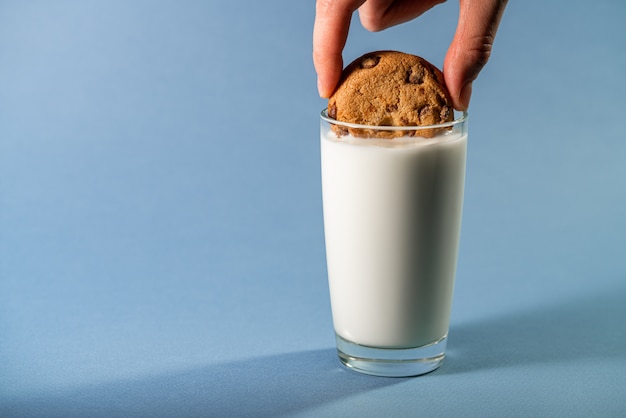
457, 121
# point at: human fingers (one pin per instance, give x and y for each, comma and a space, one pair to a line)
471, 47
377, 15
330, 31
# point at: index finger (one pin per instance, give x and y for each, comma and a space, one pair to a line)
330, 32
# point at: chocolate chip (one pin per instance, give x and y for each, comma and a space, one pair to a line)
415, 75
425, 115
444, 113
392, 107
332, 112
441, 99
370, 62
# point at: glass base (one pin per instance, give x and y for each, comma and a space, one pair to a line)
391, 362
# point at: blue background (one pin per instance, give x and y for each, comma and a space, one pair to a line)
161, 241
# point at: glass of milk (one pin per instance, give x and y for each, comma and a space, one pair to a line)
392, 219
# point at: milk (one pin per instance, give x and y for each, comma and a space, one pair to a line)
392, 218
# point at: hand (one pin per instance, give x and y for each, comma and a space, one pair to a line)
468, 53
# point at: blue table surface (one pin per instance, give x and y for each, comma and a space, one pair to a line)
161, 239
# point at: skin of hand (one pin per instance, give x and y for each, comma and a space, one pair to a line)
467, 55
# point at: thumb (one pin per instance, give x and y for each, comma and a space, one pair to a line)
471, 47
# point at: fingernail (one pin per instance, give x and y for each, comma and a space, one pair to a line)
466, 94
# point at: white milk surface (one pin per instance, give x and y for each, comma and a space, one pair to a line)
392, 218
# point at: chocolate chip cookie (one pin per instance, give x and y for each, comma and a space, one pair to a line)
390, 88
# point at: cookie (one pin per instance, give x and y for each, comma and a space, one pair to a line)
390, 88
